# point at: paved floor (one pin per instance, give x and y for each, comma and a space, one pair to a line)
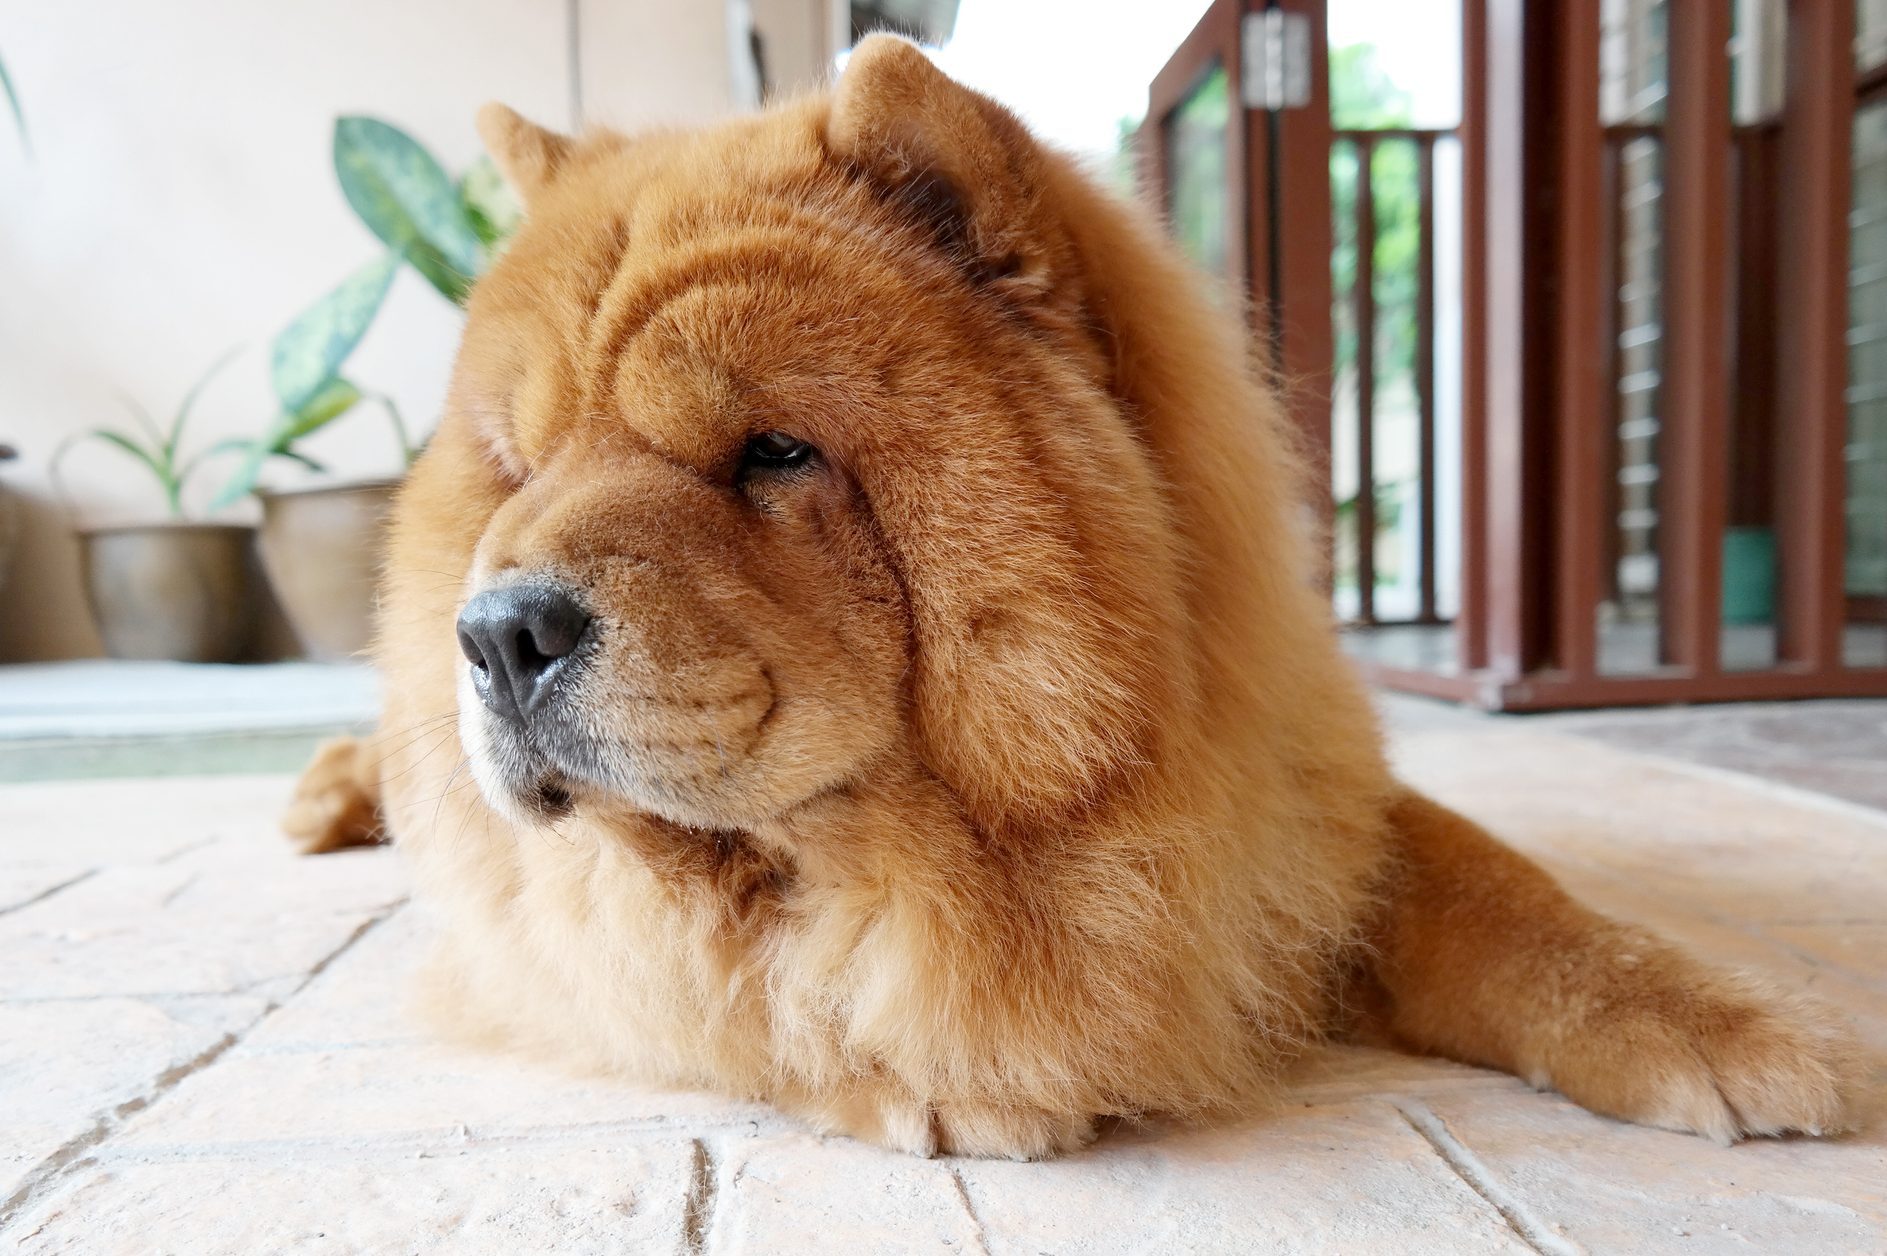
204, 1048
1836, 748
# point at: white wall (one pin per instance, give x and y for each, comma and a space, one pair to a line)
180, 200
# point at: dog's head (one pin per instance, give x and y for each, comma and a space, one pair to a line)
807, 465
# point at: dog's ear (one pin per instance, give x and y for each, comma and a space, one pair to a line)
952, 159
528, 155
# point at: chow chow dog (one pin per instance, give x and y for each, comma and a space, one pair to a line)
852, 642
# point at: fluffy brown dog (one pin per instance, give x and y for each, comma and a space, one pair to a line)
887, 662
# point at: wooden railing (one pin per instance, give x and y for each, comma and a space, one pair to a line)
1734, 438
1542, 370
1364, 144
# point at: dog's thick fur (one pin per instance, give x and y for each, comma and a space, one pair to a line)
997, 770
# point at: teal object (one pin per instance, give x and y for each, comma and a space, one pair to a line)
1749, 575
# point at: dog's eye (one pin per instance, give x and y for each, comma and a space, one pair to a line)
775, 451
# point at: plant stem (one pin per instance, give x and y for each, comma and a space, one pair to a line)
407, 452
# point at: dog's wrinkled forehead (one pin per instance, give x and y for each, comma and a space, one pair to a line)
846, 245
677, 311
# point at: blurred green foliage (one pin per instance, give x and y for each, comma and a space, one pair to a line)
1362, 98
1196, 153
13, 107
158, 450
447, 231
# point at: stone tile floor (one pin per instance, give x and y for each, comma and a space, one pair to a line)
204, 1048
1837, 747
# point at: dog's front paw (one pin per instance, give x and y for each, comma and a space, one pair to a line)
337, 800
1009, 1133
1726, 1058
893, 1117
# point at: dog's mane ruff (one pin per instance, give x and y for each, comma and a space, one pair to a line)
1265, 825
1190, 919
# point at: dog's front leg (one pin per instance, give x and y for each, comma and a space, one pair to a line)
1484, 959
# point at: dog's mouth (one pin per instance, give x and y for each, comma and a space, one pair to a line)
522, 783
551, 797
532, 774
582, 758
550, 771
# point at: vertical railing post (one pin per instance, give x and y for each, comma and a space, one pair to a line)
1694, 460
1518, 139
1582, 356
1471, 617
1425, 372
1817, 123
1364, 295
1300, 167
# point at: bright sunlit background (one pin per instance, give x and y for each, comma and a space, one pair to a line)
1076, 70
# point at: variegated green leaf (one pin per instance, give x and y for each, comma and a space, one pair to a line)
322, 409
336, 398
242, 481
405, 197
453, 284
490, 205
13, 104
310, 351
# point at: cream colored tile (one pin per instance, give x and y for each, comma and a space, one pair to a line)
219, 918
1611, 1187
1344, 1177
418, 1096
503, 1201
66, 1068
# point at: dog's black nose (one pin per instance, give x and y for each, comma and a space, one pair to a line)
515, 638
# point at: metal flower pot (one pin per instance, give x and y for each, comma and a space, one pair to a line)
321, 548
171, 590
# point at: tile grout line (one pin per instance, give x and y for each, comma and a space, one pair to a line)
48, 1172
698, 1205
70, 1157
48, 892
181, 851
1466, 1166
969, 1207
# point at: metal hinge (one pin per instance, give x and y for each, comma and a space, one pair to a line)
1276, 48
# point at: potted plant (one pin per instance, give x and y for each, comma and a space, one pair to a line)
174, 589
320, 546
